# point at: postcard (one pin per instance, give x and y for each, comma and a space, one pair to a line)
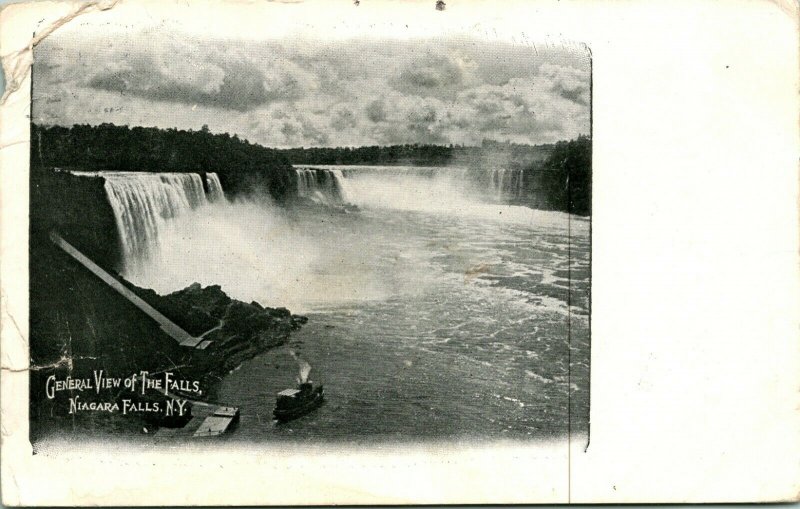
375, 252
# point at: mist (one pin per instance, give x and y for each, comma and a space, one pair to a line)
448, 192
259, 252
314, 256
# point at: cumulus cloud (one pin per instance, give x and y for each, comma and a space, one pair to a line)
229, 85
376, 110
413, 119
286, 126
568, 82
430, 75
342, 117
220, 76
306, 94
286, 81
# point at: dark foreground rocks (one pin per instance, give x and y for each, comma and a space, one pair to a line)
80, 326
237, 330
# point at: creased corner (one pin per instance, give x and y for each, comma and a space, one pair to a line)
20, 340
17, 63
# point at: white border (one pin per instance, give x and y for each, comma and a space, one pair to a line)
696, 298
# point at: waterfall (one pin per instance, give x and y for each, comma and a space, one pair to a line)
407, 186
322, 185
214, 186
506, 183
143, 203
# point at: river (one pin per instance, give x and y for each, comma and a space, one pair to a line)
436, 309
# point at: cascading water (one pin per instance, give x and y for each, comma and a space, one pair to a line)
321, 185
506, 183
214, 186
143, 203
388, 186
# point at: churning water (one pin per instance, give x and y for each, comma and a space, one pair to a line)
435, 309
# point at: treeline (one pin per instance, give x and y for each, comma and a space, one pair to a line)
241, 165
420, 155
564, 180
556, 176
514, 154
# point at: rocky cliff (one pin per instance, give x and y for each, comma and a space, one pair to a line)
79, 325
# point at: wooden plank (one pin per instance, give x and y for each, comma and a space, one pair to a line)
212, 426
226, 411
168, 326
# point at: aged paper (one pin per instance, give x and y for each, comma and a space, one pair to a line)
399, 252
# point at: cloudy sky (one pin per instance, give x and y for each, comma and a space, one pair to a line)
309, 93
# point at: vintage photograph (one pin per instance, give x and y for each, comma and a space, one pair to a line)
309, 239
382, 252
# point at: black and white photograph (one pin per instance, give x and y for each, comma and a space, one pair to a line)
398, 252
350, 240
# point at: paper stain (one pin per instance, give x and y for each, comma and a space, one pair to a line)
476, 270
